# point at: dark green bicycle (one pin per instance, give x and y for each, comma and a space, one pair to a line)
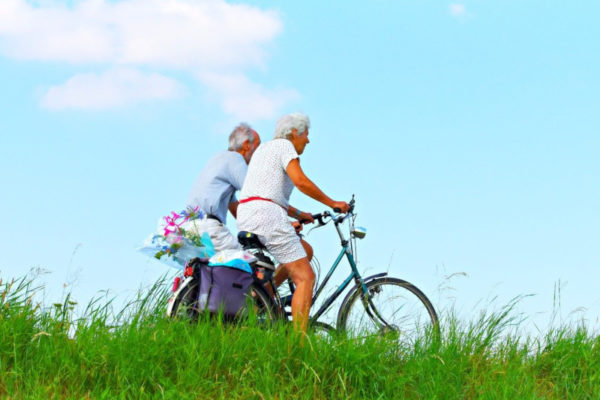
376, 304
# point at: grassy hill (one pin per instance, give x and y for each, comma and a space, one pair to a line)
50, 354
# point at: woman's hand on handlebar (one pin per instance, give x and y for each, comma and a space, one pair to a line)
340, 207
305, 218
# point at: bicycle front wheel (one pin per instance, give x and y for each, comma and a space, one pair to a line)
390, 306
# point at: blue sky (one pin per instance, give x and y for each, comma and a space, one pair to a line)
468, 131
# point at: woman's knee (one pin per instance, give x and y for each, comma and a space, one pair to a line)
302, 272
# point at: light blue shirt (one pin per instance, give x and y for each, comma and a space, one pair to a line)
216, 185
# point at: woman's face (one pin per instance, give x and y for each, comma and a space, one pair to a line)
299, 140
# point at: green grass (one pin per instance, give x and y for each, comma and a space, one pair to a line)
137, 353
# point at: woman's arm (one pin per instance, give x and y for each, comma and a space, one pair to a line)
306, 186
299, 215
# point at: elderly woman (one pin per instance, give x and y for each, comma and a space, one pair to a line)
264, 207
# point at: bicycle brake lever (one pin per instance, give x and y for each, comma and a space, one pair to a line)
312, 229
319, 217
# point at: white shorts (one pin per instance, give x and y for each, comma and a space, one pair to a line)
270, 222
220, 236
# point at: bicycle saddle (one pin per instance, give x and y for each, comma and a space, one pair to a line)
249, 240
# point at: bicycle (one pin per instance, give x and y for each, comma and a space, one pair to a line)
377, 304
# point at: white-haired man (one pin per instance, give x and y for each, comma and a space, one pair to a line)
264, 208
214, 189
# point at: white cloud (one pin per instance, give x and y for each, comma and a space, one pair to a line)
115, 88
197, 36
245, 99
176, 33
458, 10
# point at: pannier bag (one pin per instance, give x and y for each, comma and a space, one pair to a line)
225, 282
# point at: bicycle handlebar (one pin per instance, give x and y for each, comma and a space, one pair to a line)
318, 217
338, 218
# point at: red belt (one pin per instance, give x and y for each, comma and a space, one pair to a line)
259, 198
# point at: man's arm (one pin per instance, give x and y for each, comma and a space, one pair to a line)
233, 208
237, 174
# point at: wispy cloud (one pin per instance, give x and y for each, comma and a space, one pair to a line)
114, 88
458, 10
201, 37
245, 99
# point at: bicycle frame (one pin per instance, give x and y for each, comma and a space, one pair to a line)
354, 275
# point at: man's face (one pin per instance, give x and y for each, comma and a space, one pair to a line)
300, 140
252, 147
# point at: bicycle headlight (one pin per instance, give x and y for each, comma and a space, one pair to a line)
359, 232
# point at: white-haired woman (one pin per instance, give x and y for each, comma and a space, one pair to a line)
264, 207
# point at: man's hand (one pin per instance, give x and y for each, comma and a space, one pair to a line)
341, 205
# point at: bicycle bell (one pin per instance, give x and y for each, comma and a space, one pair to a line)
359, 232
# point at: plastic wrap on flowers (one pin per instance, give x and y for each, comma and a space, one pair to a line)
239, 259
173, 245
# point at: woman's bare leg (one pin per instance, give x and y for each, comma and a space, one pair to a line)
281, 274
304, 278
308, 248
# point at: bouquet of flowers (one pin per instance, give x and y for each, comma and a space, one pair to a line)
174, 245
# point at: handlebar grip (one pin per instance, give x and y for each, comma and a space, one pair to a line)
317, 217
337, 210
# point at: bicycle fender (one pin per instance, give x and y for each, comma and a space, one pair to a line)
365, 280
186, 282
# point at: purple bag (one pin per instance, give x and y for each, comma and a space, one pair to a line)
223, 289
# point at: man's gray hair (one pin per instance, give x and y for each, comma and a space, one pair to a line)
239, 135
285, 125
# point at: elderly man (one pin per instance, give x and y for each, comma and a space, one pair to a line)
264, 207
214, 189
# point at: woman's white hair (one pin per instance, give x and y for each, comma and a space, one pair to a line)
239, 135
285, 125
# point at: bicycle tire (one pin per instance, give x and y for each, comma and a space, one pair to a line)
322, 329
406, 310
264, 311
185, 304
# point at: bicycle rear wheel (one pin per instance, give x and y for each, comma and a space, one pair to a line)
393, 307
258, 307
185, 303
